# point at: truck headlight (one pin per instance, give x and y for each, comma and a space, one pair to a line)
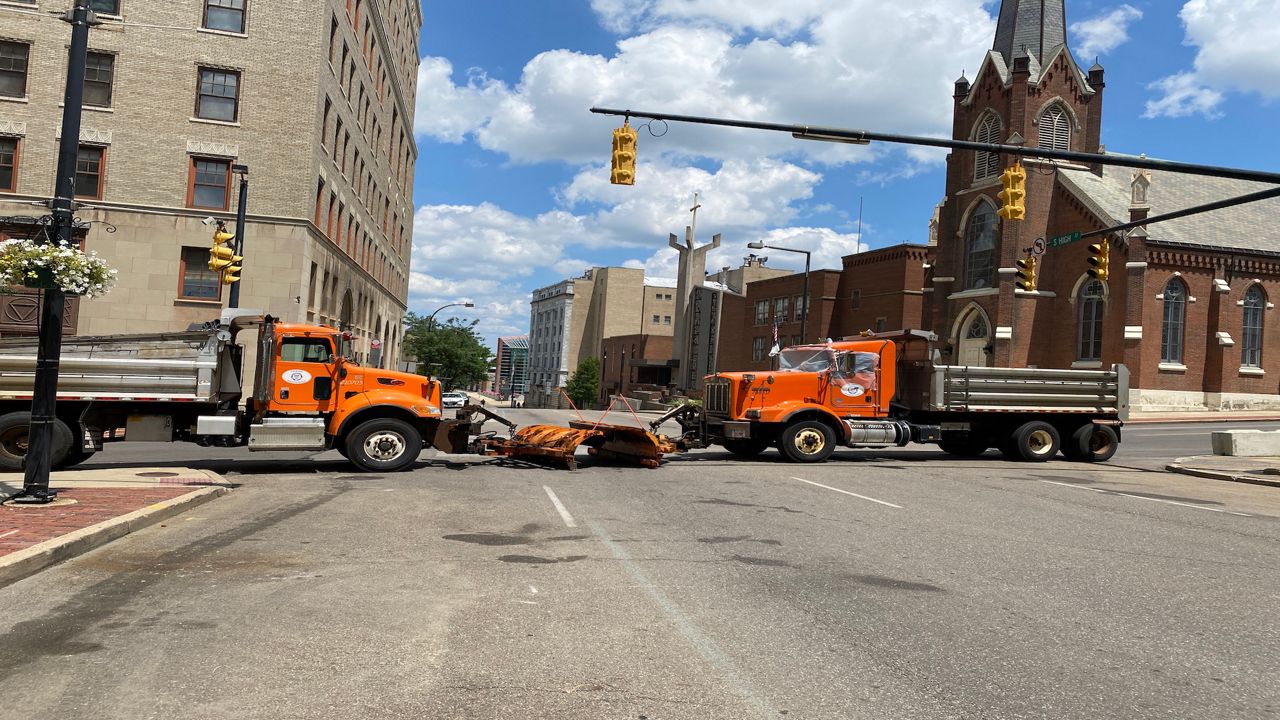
753, 414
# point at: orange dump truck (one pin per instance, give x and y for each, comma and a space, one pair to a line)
890, 389
188, 387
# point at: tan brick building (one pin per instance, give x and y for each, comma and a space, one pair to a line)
316, 98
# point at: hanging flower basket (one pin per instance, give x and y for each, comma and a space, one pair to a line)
53, 265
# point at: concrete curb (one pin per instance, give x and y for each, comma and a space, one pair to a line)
29, 561
1177, 467
1174, 420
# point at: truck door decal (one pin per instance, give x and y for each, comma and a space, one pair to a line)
295, 377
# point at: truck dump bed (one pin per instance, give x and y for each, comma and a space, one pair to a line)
960, 388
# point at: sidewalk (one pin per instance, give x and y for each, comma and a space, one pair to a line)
93, 508
1138, 418
1254, 470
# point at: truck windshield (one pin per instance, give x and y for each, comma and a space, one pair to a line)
804, 360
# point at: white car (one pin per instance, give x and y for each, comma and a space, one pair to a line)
454, 399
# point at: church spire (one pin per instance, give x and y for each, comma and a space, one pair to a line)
1030, 27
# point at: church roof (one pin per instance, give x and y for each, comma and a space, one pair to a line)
1247, 227
1030, 27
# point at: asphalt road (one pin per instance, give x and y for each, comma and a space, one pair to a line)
903, 584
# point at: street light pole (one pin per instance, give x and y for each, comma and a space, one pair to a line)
431, 326
804, 310
233, 300
44, 397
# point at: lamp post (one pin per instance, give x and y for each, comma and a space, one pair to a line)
804, 311
431, 325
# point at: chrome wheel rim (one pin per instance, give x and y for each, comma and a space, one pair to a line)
384, 445
810, 442
1099, 442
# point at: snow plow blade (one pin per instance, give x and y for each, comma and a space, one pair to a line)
556, 445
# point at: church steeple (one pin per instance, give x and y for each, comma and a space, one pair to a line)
1030, 27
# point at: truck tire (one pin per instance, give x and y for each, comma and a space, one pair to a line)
384, 445
969, 447
1091, 443
14, 429
808, 441
1036, 441
746, 448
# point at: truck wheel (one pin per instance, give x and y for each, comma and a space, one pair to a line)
1036, 441
1091, 443
746, 448
968, 447
384, 445
809, 441
14, 428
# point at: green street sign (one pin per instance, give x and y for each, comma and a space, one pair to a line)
1064, 239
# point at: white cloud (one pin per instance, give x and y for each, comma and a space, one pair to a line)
855, 63
1236, 51
1183, 95
1102, 34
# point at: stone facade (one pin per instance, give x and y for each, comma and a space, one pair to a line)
328, 237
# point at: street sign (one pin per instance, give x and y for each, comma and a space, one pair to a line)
1064, 240
1038, 246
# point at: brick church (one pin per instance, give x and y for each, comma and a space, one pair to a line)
1188, 304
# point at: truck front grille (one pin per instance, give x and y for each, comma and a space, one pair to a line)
717, 397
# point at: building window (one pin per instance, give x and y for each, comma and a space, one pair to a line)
980, 248
98, 72
1173, 327
1055, 128
657, 319
219, 95
8, 164
758, 348
987, 164
781, 309
799, 304
210, 184
762, 312
881, 324
1255, 301
225, 15
106, 7
90, 169
856, 299
13, 68
666, 319
1091, 303
198, 282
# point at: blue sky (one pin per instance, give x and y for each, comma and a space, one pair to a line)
512, 178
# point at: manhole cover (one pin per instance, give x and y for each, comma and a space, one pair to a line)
158, 474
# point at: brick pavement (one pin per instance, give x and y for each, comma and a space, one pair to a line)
24, 526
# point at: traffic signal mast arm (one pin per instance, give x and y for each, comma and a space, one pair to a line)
807, 132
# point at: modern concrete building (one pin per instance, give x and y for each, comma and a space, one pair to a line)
511, 366
315, 98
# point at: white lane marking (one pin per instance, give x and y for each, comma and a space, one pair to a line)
846, 492
1139, 497
560, 508
11, 532
705, 646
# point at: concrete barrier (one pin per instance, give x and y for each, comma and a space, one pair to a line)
1247, 443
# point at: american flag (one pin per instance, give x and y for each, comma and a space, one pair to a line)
777, 348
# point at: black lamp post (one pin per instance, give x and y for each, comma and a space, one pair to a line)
431, 325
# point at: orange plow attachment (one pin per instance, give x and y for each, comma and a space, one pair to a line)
556, 445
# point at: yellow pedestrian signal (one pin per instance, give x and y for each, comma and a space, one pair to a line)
1014, 193
222, 256
1027, 274
1100, 260
624, 156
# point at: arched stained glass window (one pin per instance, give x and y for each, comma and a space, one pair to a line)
1173, 329
1091, 304
980, 248
1255, 302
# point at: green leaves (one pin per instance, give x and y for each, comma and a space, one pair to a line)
451, 350
584, 384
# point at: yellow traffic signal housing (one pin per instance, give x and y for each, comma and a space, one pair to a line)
1100, 260
223, 258
624, 156
1028, 274
1014, 193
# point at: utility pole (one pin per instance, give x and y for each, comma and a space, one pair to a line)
233, 299
36, 467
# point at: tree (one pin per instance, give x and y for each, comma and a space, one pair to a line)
452, 350
584, 385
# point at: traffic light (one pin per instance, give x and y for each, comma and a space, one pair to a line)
1015, 190
624, 156
222, 256
1100, 260
1027, 273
